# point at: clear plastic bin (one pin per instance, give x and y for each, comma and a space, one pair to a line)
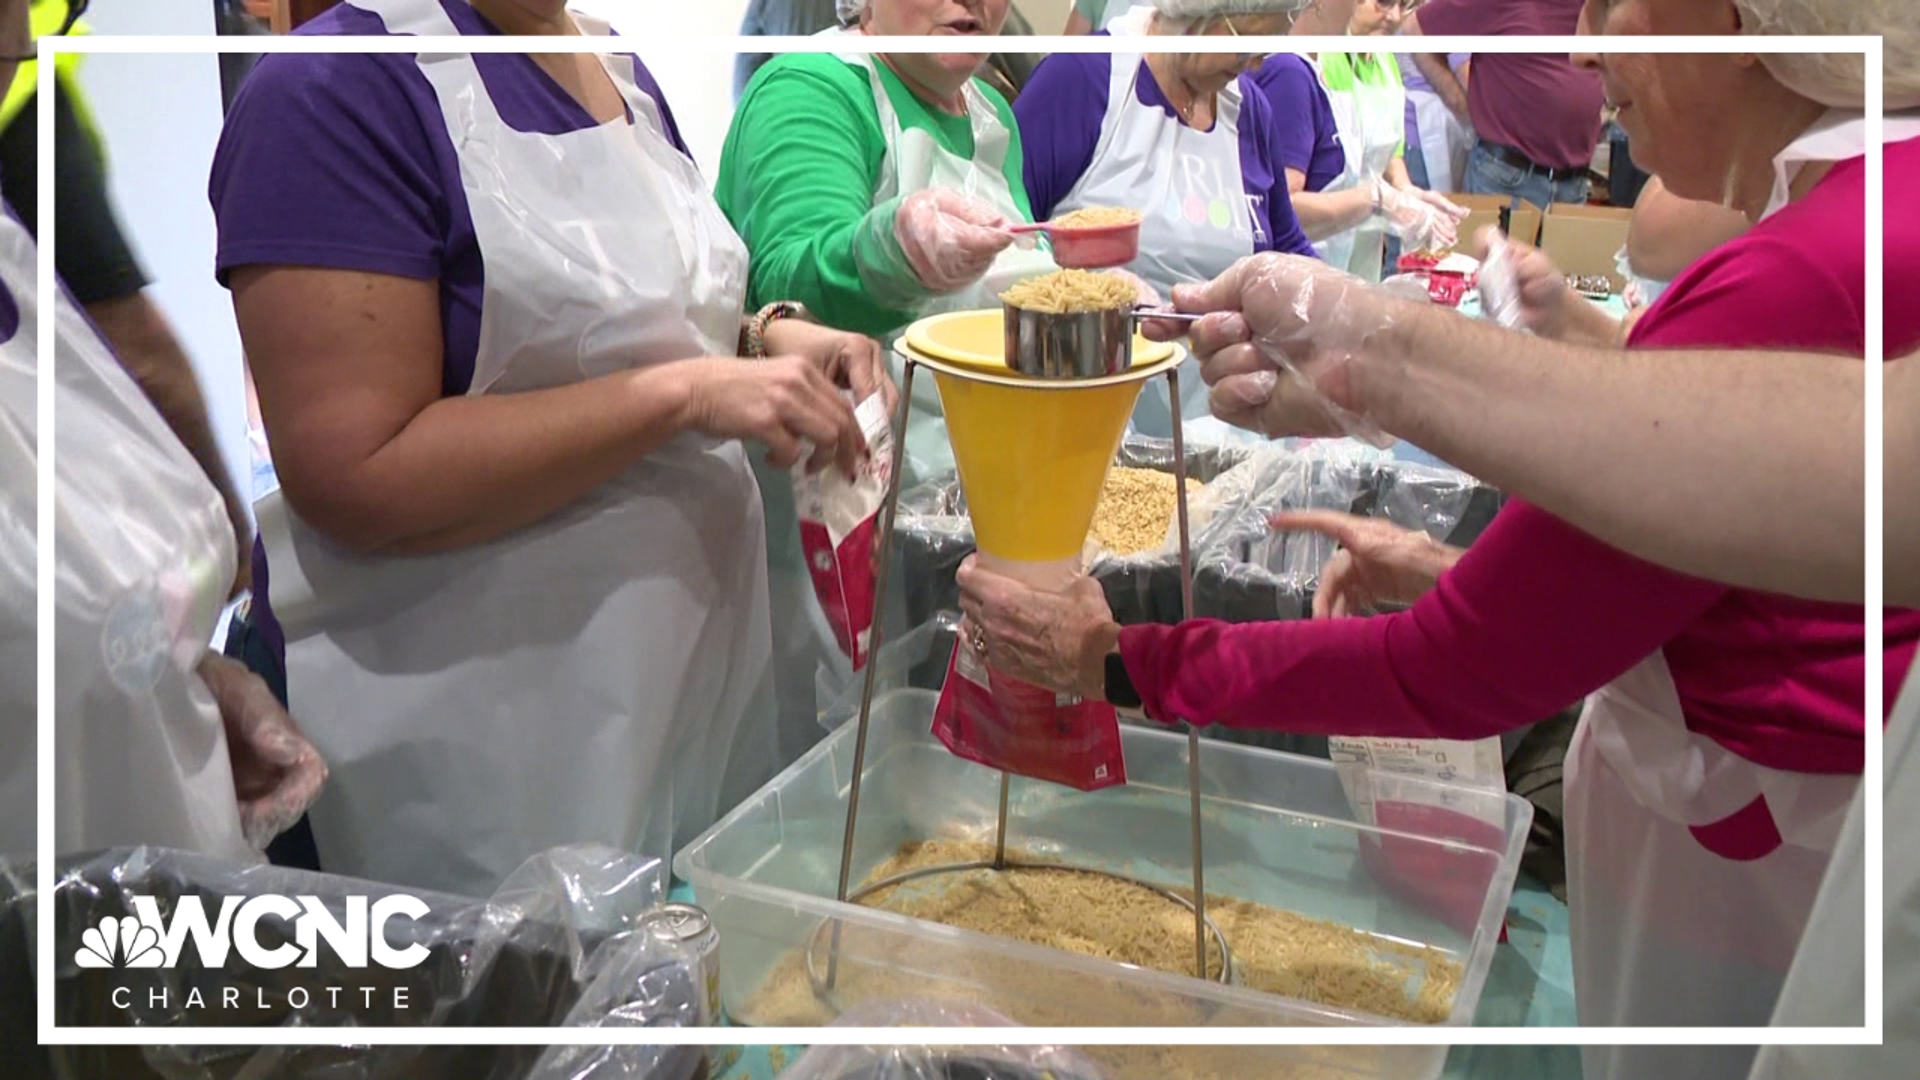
1278, 830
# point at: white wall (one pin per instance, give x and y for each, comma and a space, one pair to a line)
160, 117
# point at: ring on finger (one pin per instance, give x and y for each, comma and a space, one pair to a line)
979, 639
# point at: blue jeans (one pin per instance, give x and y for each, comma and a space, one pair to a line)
1488, 175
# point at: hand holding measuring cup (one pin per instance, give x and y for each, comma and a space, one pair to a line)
1278, 341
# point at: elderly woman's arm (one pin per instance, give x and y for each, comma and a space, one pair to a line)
368, 449
1529, 620
1680, 457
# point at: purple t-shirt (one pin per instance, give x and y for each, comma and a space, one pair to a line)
1060, 111
1538, 104
343, 161
1305, 134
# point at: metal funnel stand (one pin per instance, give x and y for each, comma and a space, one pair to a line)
1203, 927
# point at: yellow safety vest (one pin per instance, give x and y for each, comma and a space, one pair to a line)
46, 17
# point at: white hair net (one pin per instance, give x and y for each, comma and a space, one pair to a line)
1838, 80
850, 10
1203, 9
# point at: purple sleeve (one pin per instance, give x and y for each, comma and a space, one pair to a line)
1283, 224
325, 162
1305, 135
1060, 111
645, 81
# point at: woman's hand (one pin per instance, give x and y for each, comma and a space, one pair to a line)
1059, 640
1418, 224
852, 361
277, 773
1380, 565
785, 402
1278, 340
949, 239
1551, 309
1446, 206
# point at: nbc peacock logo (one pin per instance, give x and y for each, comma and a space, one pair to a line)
120, 943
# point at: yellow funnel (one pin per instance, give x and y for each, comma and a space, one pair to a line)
1032, 453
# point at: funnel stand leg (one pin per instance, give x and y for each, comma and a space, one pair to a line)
1193, 731
876, 639
1000, 835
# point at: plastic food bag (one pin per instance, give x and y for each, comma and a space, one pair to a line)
839, 519
555, 945
1015, 726
1419, 791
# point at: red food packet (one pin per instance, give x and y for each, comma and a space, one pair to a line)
838, 522
1452, 792
1025, 729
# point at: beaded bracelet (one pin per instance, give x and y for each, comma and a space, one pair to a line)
757, 327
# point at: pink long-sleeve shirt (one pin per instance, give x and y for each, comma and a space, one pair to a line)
1537, 614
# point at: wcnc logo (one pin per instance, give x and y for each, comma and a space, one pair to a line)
356, 936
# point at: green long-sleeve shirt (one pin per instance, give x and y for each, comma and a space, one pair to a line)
797, 179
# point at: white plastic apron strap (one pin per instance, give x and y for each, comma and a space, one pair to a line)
1372, 122
1840, 135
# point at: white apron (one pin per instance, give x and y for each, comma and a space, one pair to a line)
602, 675
1372, 121
1664, 931
19, 662
1444, 140
1195, 217
146, 555
1826, 985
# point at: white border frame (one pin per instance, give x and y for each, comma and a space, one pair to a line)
53, 1034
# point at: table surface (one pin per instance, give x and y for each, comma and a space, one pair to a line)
1529, 985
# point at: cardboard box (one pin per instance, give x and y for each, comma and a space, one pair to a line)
1484, 210
1583, 240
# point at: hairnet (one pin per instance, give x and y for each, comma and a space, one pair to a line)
1839, 80
850, 10
1202, 9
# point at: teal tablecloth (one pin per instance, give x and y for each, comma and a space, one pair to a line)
1530, 985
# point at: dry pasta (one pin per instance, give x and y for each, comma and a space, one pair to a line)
1275, 951
1065, 291
1096, 217
1136, 507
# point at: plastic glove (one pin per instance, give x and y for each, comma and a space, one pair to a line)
277, 773
1446, 206
949, 239
1417, 223
1277, 347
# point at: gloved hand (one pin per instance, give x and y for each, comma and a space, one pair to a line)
949, 239
1419, 224
277, 774
1446, 206
1277, 345
1521, 288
